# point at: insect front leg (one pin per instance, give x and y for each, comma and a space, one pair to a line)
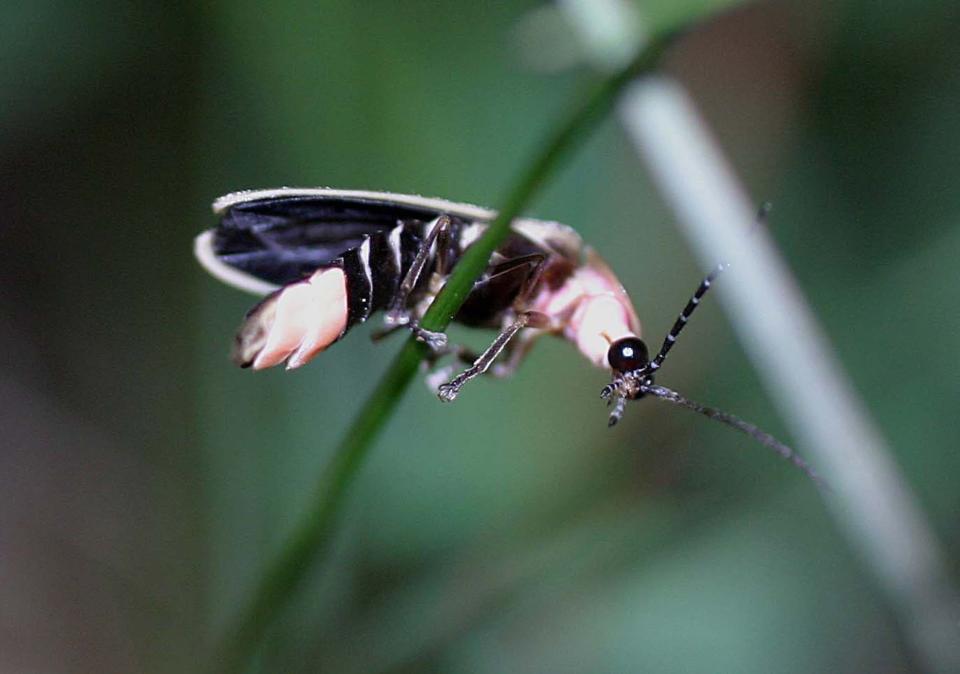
515, 353
528, 319
436, 376
527, 271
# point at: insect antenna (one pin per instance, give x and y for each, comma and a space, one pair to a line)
694, 301
684, 316
745, 427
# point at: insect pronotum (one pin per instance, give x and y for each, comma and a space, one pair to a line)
327, 259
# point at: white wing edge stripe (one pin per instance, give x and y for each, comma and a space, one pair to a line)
537, 230
203, 250
534, 229
440, 205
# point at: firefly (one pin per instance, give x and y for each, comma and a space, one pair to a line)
325, 260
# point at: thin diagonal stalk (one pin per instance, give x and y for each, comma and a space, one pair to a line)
871, 500
869, 496
314, 533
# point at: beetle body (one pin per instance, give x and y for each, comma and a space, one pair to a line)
326, 260
329, 259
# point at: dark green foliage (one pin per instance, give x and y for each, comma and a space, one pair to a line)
147, 484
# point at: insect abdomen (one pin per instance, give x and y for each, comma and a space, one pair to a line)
375, 268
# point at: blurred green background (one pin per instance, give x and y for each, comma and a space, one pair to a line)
145, 481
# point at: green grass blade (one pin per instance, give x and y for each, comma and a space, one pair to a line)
315, 531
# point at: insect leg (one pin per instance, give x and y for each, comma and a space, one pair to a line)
532, 319
521, 274
619, 404
398, 315
437, 341
519, 348
537, 263
517, 351
436, 377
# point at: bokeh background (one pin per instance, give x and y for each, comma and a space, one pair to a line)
144, 482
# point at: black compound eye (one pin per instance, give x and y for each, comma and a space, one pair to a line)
629, 353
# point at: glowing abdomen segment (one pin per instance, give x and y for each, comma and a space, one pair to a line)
296, 323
